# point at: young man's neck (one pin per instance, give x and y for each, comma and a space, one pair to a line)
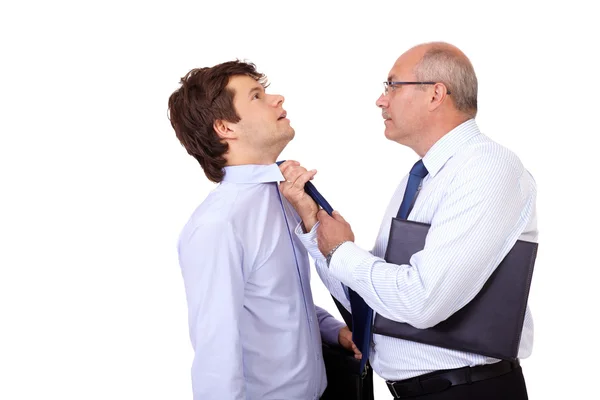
251, 159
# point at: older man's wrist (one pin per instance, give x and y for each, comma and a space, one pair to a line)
332, 251
309, 219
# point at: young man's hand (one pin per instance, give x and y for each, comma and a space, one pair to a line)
345, 340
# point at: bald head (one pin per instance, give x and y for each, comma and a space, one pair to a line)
443, 62
447, 47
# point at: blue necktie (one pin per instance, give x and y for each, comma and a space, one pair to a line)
362, 314
417, 173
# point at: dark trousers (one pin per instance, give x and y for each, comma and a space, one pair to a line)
510, 386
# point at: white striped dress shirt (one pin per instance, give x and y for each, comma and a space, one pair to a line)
479, 199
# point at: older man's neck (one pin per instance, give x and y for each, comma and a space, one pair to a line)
437, 131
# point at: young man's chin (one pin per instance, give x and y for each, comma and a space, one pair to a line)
289, 133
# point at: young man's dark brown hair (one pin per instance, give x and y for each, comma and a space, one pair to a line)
203, 99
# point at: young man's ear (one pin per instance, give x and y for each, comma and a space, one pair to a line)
223, 129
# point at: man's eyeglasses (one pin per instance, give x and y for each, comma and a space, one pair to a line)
390, 86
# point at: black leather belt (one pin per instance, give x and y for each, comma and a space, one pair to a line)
442, 380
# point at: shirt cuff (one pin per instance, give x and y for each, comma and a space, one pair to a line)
330, 330
348, 259
309, 240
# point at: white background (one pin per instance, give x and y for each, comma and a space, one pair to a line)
95, 187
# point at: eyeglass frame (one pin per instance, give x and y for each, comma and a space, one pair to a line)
387, 84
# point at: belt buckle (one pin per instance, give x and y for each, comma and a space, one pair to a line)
411, 388
396, 395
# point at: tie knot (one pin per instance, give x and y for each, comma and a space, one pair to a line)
419, 169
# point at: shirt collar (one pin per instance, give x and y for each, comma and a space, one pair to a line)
448, 145
251, 173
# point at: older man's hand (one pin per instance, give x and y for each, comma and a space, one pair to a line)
332, 231
292, 189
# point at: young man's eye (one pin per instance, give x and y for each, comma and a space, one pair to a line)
256, 96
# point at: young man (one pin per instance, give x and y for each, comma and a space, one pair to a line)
254, 328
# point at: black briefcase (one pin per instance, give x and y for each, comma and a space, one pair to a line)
344, 381
491, 323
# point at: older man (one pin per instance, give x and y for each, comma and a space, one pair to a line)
478, 199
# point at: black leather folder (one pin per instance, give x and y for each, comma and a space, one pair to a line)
491, 323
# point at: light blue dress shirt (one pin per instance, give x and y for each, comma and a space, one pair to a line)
479, 199
252, 321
